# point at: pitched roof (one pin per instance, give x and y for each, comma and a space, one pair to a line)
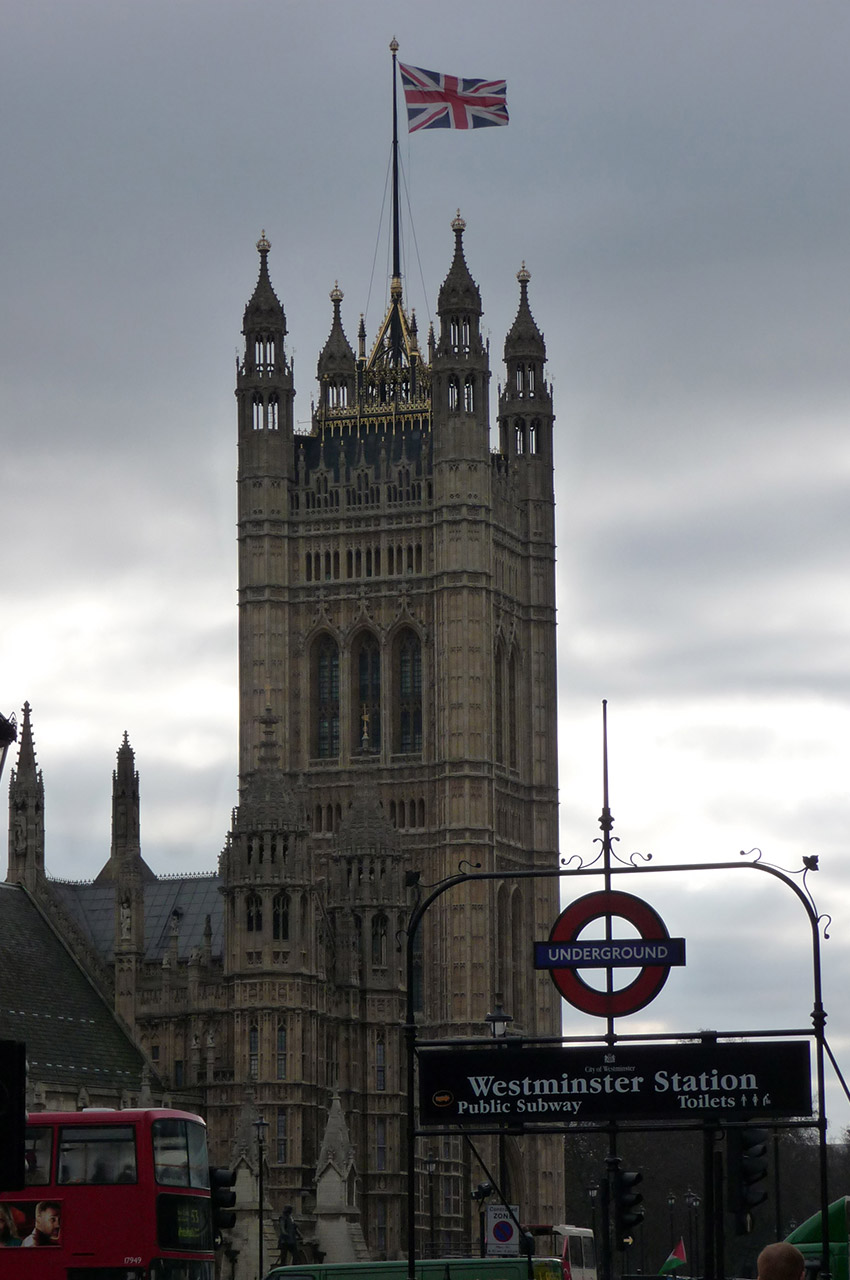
73, 1039
193, 898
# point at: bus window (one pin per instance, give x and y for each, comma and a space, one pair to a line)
38, 1157
179, 1153
576, 1259
97, 1154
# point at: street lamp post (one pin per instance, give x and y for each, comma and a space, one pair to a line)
693, 1202
430, 1169
498, 1021
593, 1196
260, 1125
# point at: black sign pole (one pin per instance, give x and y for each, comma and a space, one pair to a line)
568, 870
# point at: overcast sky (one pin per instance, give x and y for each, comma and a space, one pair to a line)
676, 176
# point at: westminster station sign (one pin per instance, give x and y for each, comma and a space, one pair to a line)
726, 1082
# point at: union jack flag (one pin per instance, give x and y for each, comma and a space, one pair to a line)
447, 102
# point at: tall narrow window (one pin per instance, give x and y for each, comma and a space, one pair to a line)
367, 686
380, 925
380, 1144
281, 1051
512, 711
408, 692
380, 1066
499, 708
254, 913
280, 917
253, 1052
454, 393
281, 1143
469, 395
326, 697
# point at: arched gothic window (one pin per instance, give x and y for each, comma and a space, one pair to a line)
254, 913
366, 717
380, 925
326, 697
280, 917
408, 692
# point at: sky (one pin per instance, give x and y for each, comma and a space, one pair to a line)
676, 177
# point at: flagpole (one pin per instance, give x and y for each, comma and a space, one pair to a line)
396, 250
395, 334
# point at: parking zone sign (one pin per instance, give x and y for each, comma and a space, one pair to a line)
502, 1236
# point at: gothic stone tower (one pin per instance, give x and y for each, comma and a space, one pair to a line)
397, 714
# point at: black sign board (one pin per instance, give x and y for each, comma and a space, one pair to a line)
13, 1115
726, 1082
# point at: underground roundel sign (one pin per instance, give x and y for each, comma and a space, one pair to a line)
652, 953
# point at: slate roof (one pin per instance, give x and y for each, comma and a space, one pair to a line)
72, 1037
194, 897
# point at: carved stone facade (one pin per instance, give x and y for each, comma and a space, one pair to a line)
397, 720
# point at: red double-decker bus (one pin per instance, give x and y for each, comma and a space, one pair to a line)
110, 1195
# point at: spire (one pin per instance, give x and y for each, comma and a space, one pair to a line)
27, 771
336, 368
264, 311
337, 348
26, 812
459, 292
268, 800
524, 339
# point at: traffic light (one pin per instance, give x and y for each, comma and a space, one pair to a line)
13, 1114
746, 1171
222, 1200
628, 1206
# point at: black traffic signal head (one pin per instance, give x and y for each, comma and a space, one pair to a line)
628, 1206
222, 1201
746, 1171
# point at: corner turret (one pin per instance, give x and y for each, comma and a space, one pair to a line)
461, 370
337, 366
525, 403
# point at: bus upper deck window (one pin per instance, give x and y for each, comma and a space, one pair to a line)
97, 1154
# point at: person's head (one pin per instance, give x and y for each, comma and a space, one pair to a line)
7, 1223
47, 1217
780, 1262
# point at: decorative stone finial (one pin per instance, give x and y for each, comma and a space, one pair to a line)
263, 245
336, 294
523, 275
458, 223
394, 45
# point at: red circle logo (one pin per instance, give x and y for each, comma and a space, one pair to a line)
649, 981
